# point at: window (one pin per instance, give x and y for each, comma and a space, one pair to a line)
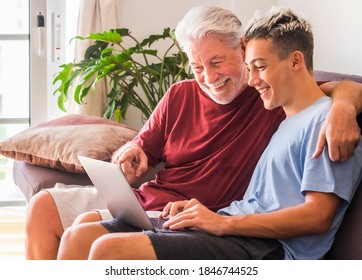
26, 91
14, 80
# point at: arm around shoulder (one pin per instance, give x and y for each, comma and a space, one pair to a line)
341, 131
345, 91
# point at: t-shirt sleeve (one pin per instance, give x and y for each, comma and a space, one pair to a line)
323, 175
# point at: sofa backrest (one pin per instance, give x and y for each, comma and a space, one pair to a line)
348, 242
332, 76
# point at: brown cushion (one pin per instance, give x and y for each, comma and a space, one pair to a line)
57, 143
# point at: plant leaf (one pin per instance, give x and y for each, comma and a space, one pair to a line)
94, 51
110, 36
138, 75
153, 38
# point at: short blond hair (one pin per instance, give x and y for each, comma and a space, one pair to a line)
288, 31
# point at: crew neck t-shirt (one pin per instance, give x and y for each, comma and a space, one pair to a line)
209, 150
287, 170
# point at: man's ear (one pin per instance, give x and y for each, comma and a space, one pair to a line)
243, 46
297, 59
243, 43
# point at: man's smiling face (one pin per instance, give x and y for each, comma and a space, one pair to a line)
218, 69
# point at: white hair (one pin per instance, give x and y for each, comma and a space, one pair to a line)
202, 21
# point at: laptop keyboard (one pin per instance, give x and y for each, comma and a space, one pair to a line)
158, 224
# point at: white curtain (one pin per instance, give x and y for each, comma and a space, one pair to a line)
94, 16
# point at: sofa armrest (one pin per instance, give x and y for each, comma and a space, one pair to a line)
31, 178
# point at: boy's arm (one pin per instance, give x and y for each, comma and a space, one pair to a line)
341, 130
314, 216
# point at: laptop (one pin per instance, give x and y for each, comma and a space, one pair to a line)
118, 195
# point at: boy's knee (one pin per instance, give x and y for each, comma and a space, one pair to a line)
101, 244
103, 248
123, 246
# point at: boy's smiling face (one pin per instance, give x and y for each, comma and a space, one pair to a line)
270, 75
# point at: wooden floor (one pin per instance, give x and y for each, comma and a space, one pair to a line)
12, 232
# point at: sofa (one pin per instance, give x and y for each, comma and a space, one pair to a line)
33, 171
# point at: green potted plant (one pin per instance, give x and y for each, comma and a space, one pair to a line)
130, 71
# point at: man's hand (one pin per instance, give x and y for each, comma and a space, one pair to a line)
340, 132
132, 161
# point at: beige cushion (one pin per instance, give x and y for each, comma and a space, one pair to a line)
57, 143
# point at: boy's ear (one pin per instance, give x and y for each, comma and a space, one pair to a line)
297, 59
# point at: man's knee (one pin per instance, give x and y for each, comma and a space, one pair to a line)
42, 216
70, 239
92, 216
73, 237
71, 234
77, 240
40, 206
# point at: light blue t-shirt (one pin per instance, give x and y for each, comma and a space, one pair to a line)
286, 170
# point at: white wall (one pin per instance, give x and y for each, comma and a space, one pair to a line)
337, 27
245, 10
147, 17
337, 24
